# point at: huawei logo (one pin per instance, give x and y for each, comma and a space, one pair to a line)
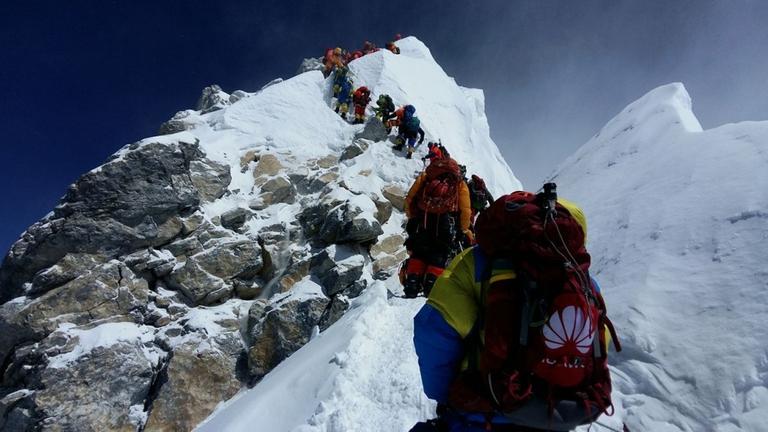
571, 329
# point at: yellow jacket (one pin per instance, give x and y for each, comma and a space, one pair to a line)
457, 292
465, 210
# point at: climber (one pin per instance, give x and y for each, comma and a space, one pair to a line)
437, 207
340, 74
361, 98
527, 295
385, 110
408, 130
392, 47
354, 55
434, 152
333, 58
369, 48
479, 196
344, 98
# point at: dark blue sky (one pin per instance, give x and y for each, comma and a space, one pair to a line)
81, 79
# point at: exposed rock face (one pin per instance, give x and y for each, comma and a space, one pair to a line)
178, 123
373, 131
199, 377
356, 149
234, 219
395, 195
121, 309
213, 98
347, 224
267, 165
210, 178
97, 393
278, 190
93, 390
281, 330
310, 64
206, 278
134, 201
339, 269
110, 290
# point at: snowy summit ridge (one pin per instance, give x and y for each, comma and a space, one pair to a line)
191, 264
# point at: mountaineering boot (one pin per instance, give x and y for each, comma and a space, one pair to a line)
412, 285
399, 143
410, 152
430, 278
429, 282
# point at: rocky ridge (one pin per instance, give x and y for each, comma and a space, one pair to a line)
129, 248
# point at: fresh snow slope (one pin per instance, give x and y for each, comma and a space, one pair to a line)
679, 237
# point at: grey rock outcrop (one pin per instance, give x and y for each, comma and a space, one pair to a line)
278, 190
347, 223
134, 201
373, 131
277, 331
92, 391
178, 123
356, 149
237, 95
213, 98
339, 270
396, 195
109, 291
310, 64
210, 178
199, 376
207, 277
235, 218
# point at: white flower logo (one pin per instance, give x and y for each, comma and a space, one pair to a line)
571, 326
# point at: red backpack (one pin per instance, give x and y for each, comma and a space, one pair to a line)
440, 190
542, 319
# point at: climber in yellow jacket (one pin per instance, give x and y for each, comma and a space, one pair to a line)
439, 214
490, 362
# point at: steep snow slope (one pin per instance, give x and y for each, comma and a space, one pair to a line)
359, 375
354, 375
679, 236
295, 117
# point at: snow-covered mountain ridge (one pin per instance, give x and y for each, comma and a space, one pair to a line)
255, 241
677, 234
192, 263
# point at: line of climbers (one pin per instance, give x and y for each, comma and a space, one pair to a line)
409, 131
514, 334
339, 57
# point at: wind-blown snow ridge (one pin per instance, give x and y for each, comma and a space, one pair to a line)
679, 246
